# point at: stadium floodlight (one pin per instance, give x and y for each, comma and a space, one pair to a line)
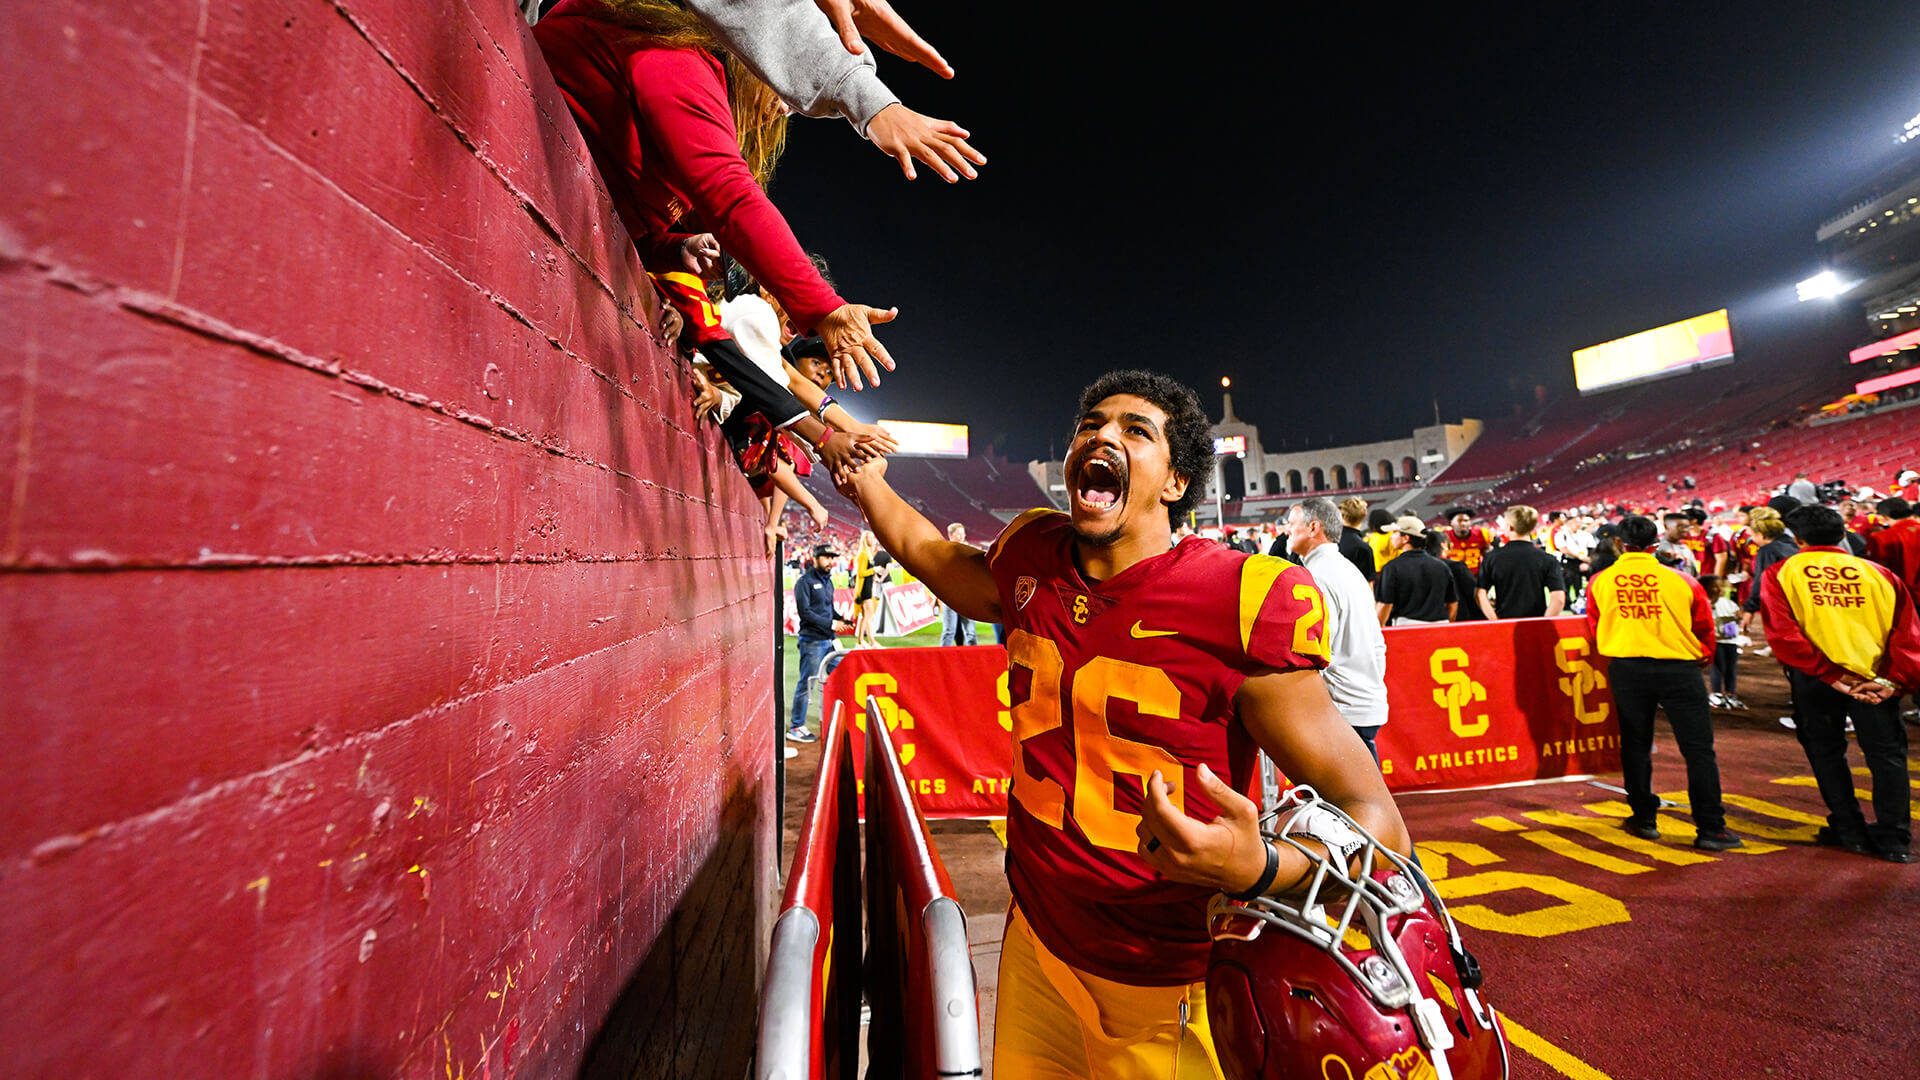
1823, 285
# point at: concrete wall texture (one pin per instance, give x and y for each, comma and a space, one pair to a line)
385, 653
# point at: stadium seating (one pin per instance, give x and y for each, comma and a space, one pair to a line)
1736, 431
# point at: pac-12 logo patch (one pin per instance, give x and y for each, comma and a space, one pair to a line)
1022, 592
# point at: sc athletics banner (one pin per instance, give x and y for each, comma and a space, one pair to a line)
1471, 705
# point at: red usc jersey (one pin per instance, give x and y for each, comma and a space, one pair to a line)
1110, 682
1471, 548
1745, 546
1696, 545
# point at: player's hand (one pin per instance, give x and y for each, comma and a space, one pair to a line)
847, 332
844, 452
847, 481
904, 135
876, 20
1226, 853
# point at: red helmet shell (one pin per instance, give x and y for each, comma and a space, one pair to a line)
1282, 1008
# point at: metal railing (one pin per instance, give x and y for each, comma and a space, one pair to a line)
925, 1005
810, 1001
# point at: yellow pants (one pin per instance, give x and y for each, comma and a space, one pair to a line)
1052, 1021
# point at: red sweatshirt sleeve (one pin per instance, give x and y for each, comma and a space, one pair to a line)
1903, 641
1790, 645
682, 97
1703, 620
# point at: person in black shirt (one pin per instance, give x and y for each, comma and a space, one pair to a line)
1415, 587
1352, 541
1526, 582
813, 602
1463, 583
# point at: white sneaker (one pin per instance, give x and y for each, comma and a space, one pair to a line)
1735, 703
1787, 722
1717, 701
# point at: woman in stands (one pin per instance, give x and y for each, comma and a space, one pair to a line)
679, 129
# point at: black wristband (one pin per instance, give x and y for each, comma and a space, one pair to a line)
1260, 887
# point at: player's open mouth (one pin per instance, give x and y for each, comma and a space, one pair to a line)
1098, 486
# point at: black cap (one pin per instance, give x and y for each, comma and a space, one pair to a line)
822, 549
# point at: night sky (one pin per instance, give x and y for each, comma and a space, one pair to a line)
1357, 215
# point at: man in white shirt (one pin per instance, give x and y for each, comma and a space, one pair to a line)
1356, 671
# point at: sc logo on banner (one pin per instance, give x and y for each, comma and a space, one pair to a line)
879, 685
1579, 678
1457, 691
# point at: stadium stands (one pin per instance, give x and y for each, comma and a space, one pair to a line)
981, 491
1735, 431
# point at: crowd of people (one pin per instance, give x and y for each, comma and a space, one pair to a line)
1665, 594
684, 107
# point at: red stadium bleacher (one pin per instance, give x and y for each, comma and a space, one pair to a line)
1736, 431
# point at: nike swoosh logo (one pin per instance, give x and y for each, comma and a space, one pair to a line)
1139, 633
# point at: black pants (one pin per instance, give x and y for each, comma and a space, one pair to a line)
1640, 687
1726, 667
1820, 716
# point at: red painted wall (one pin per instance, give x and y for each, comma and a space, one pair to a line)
385, 658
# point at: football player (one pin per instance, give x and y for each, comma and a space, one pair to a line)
1469, 542
1143, 674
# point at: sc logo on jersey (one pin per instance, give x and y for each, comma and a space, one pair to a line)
1457, 690
1080, 610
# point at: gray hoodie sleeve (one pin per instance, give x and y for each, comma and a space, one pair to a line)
791, 45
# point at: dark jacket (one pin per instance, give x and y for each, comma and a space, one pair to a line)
1780, 547
813, 600
1353, 544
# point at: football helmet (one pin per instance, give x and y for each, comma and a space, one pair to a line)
1363, 977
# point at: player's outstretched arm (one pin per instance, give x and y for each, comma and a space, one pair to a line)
1291, 717
957, 573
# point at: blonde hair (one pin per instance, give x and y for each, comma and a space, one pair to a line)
1522, 518
1765, 522
1353, 510
760, 128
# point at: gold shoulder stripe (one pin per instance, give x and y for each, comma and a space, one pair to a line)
1257, 576
1015, 526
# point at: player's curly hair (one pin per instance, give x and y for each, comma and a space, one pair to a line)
1189, 432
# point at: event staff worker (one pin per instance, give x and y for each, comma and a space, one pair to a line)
1897, 546
1846, 631
813, 601
1656, 625
1414, 588
1356, 671
1525, 581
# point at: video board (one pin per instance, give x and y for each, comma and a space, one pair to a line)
919, 439
1654, 354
